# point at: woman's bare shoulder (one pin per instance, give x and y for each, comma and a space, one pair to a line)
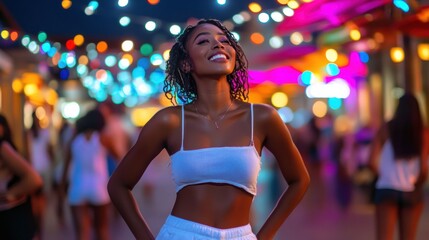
264, 112
164, 120
167, 114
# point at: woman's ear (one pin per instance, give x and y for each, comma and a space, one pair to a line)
186, 66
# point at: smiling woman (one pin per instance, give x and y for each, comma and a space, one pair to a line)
214, 140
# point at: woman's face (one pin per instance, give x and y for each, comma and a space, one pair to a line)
210, 51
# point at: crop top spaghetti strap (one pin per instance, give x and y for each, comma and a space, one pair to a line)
237, 166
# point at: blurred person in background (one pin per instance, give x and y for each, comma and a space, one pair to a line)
214, 141
18, 180
65, 135
88, 176
41, 155
115, 129
398, 157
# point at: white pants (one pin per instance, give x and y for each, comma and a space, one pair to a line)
178, 229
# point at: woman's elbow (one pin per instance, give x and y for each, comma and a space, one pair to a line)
36, 182
306, 180
114, 186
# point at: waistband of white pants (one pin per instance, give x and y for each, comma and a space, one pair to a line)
206, 230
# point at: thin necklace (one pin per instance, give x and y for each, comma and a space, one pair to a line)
215, 122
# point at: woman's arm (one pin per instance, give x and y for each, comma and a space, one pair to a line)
279, 141
67, 161
375, 148
424, 159
151, 141
29, 182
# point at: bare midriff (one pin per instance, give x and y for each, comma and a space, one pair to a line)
216, 205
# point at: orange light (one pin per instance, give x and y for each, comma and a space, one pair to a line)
102, 46
83, 60
13, 36
423, 51
78, 40
257, 38
153, 2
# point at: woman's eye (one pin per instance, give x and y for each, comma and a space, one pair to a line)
202, 41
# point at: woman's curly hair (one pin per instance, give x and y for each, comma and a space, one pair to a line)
180, 85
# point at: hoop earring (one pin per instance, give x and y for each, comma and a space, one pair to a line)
181, 78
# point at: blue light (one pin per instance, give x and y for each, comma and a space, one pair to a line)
332, 69
100, 95
402, 4
364, 57
334, 103
64, 74
139, 72
46, 47
305, 77
157, 77
144, 63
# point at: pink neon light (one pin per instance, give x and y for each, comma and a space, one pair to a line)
289, 75
279, 76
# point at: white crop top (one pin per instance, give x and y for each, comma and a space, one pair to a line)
237, 166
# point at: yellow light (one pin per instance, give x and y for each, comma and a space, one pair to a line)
164, 101
423, 51
40, 113
30, 89
140, 116
293, 4
78, 40
17, 85
166, 54
331, 55
397, 54
355, 34
320, 109
129, 57
32, 77
255, 7
283, 2
279, 99
296, 38
51, 97
4, 34
66, 4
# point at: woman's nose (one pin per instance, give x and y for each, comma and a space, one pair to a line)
217, 44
